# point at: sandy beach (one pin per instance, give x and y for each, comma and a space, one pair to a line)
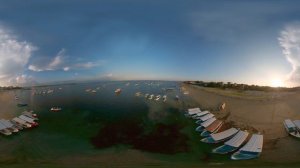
255, 111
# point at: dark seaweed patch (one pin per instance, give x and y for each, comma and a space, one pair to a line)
162, 138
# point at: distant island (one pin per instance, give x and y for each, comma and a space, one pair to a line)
237, 86
11, 88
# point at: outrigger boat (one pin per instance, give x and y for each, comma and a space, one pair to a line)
205, 124
29, 120
165, 98
30, 114
21, 122
291, 128
55, 109
4, 130
232, 144
118, 91
9, 125
157, 97
221, 136
212, 128
151, 97
251, 150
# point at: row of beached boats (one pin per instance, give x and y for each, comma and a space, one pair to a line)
235, 140
292, 127
26, 120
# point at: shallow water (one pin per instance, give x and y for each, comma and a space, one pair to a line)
92, 123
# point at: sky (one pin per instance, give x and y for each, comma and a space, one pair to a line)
253, 42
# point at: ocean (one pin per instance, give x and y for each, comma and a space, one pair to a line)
95, 127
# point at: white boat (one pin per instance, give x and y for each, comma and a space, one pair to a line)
18, 126
212, 128
297, 123
151, 97
165, 98
29, 120
30, 114
232, 144
193, 110
23, 123
157, 97
251, 150
55, 109
146, 95
205, 124
206, 117
118, 91
9, 125
291, 128
93, 91
199, 115
4, 130
221, 136
50, 91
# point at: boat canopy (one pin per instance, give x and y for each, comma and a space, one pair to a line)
297, 124
206, 117
225, 134
19, 120
289, 124
202, 113
238, 139
212, 127
6, 123
255, 144
194, 109
27, 119
2, 127
208, 122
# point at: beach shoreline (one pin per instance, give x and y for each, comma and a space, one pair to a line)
257, 112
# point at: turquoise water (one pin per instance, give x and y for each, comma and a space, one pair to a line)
95, 124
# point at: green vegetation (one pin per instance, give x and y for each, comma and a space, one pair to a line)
10, 88
242, 87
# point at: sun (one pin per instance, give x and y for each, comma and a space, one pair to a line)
277, 83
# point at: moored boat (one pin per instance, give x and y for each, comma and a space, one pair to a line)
55, 109
232, 144
291, 128
118, 91
221, 136
212, 128
251, 150
205, 124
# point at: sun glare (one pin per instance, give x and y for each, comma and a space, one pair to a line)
277, 83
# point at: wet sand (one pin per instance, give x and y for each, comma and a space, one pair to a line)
261, 112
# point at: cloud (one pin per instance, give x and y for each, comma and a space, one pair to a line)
66, 68
54, 64
58, 60
61, 62
289, 40
87, 65
23, 80
109, 75
14, 55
